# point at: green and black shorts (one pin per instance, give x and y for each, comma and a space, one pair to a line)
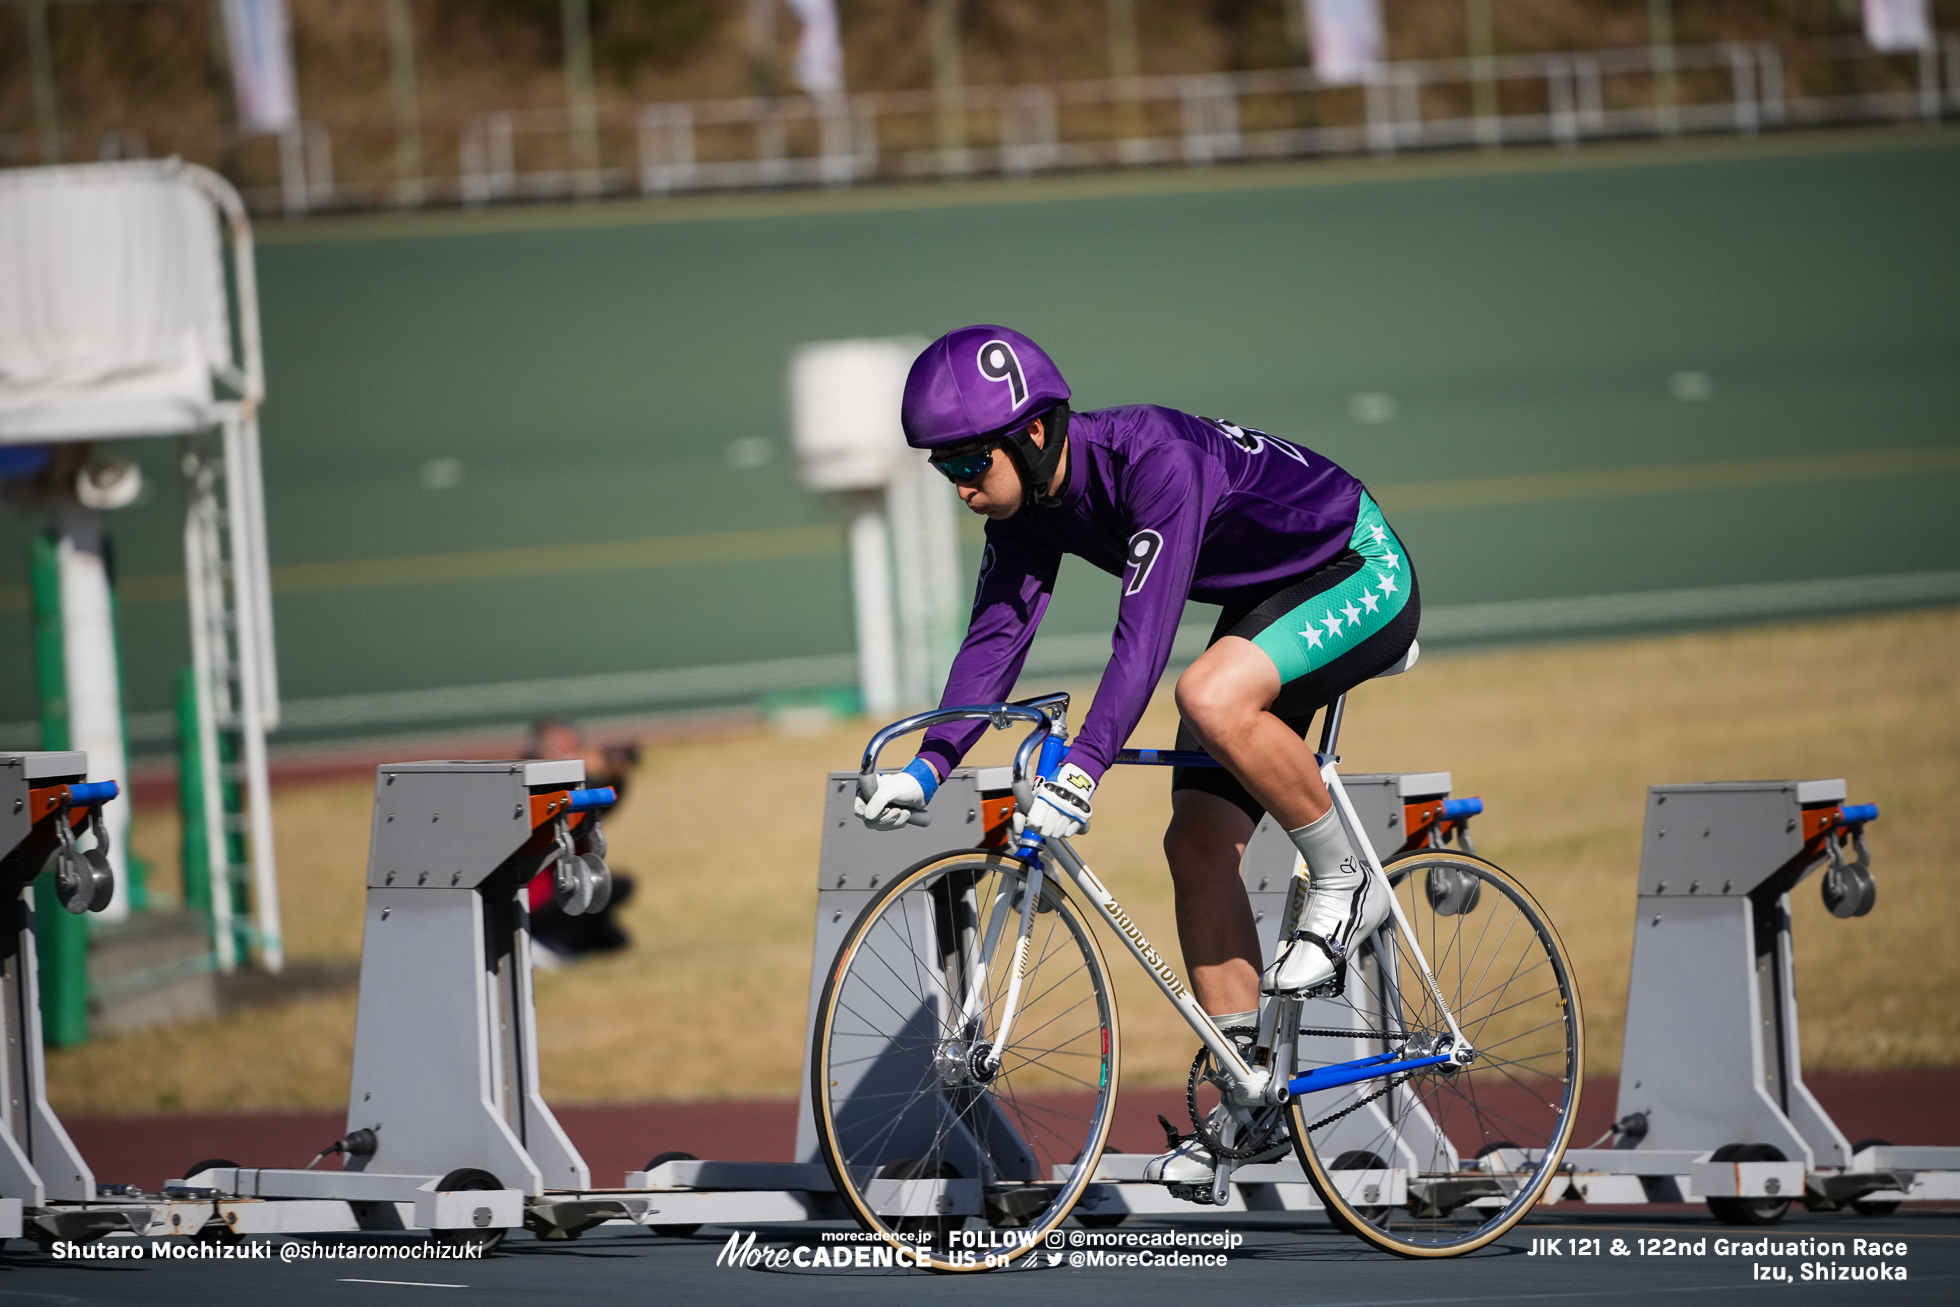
1326, 632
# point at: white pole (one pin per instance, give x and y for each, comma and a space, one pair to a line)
914, 650
251, 700
925, 545
871, 588
88, 646
253, 568
946, 605
204, 583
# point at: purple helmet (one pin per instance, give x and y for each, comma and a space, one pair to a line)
977, 381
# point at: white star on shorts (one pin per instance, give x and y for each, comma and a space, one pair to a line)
1394, 559
1313, 637
1370, 601
1388, 585
1353, 613
1379, 533
1333, 625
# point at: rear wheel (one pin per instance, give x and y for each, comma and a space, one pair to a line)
924, 1126
1441, 1161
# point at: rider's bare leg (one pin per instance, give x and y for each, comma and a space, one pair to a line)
1204, 846
1224, 697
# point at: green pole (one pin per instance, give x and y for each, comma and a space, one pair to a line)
60, 937
240, 875
135, 888
196, 849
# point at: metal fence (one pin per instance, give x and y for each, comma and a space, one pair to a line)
1561, 99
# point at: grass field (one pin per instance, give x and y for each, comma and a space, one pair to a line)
1561, 742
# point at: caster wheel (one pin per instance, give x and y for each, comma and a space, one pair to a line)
1748, 1211
467, 1178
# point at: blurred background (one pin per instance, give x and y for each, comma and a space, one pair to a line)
1636, 315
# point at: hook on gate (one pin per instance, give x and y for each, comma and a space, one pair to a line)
83, 879
1849, 888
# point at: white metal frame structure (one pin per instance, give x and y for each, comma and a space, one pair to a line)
205, 389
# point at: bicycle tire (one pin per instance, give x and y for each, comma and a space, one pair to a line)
1469, 1151
893, 1090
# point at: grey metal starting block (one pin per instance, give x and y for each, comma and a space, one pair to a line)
1712, 1103
446, 1129
47, 1191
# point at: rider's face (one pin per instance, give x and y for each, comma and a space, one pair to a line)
997, 493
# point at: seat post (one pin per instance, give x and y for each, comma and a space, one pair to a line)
1330, 729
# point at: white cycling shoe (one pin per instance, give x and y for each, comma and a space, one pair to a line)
1341, 910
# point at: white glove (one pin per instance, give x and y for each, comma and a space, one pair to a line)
1061, 805
898, 796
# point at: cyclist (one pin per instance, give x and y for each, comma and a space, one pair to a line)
1318, 596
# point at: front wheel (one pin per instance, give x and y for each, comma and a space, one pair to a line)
924, 1125
1443, 1160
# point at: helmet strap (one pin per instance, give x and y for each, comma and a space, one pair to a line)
1038, 462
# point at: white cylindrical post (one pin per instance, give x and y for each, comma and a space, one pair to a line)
843, 407
94, 681
925, 544
871, 590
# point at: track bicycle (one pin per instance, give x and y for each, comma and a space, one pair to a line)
967, 1049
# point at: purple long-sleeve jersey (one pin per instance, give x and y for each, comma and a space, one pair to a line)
1176, 506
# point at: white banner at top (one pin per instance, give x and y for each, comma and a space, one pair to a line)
261, 42
819, 66
1348, 39
1898, 25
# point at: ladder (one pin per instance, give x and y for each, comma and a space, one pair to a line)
233, 669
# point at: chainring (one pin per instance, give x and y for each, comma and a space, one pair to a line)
1268, 1121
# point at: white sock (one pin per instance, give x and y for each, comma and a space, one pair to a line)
1330, 858
1320, 901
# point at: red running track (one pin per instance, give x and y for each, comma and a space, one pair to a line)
1907, 1107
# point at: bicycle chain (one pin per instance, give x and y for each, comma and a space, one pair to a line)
1201, 1128
1358, 1104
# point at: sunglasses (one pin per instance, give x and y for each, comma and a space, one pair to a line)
969, 466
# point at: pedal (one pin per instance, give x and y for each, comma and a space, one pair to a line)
1191, 1193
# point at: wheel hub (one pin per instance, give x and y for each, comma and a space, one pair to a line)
959, 1064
